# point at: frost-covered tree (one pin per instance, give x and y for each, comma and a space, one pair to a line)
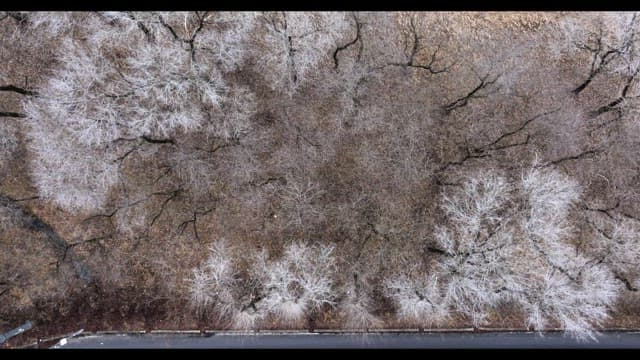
212, 283
132, 79
615, 244
509, 242
418, 299
622, 252
299, 282
219, 286
288, 288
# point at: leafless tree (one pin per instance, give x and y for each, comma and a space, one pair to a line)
288, 288
509, 243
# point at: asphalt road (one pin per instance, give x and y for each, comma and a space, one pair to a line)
609, 340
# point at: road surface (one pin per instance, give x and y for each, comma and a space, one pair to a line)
511, 340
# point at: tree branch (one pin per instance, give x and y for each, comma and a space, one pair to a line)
194, 221
485, 82
626, 282
517, 130
142, 27
157, 141
603, 211
12, 114
350, 43
18, 90
171, 195
573, 157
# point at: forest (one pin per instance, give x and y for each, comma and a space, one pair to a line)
314, 170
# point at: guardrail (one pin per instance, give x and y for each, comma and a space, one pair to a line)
221, 332
209, 332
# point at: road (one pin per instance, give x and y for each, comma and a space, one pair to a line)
511, 340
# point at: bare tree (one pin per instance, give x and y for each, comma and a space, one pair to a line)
296, 42
300, 281
614, 243
610, 43
288, 288
134, 81
509, 243
212, 283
